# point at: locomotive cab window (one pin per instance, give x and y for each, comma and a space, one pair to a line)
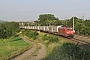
69, 29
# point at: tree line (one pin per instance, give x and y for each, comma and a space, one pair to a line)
81, 26
8, 29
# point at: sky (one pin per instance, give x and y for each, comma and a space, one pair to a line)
29, 10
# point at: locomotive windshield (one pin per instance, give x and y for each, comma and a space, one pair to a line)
69, 28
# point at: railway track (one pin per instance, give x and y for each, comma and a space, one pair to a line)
78, 39
82, 41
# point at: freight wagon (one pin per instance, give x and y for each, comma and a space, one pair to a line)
60, 30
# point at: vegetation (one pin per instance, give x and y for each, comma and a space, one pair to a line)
81, 26
31, 34
10, 43
50, 39
56, 50
11, 47
64, 51
8, 29
46, 19
68, 51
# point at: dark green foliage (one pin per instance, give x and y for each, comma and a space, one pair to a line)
2, 33
87, 23
47, 19
70, 21
31, 34
13, 26
9, 29
50, 39
86, 31
8, 33
68, 51
35, 35
75, 52
81, 25
45, 37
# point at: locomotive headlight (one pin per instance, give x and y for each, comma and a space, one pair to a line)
67, 32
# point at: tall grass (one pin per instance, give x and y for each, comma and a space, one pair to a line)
12, 46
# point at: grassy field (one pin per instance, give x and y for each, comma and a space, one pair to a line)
11, 47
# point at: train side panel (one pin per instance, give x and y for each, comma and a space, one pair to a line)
62, 31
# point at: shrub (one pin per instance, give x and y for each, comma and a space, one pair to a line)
50, 39
45, 37
68, 51
31, 34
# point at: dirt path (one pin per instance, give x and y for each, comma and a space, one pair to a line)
40, 54
25, 54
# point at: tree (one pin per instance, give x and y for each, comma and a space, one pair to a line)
79, 27
2, 25
2, 33
12, 26
87, 23
8, 33
8, 29
70, 22
86, 31
46, 19
36, 23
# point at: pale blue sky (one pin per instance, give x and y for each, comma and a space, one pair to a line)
29, 10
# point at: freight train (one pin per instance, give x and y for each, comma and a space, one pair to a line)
59, 30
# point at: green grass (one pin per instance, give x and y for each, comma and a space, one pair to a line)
12, 46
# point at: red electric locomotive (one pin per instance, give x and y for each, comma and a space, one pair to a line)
66, 31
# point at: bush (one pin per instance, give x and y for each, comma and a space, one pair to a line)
68, 51
9, 29
75, 52
45, 37
86, 31
31, 34
50, 39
